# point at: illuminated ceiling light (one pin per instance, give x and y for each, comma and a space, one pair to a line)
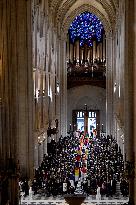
119, 91
115, 87
37, 94
58, 88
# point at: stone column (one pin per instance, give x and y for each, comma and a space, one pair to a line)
1, 140
104, 48
98, 122
77, 50
88, 55
36, 156
109, 85
16, 92
71, 52
58, 100
25, 92
40, 153
129, 123
85, 52
38, 146
68, 48
63, 89
74, 54
91, 54
94, 50
100, 51
134, 27
45, 144
81, 54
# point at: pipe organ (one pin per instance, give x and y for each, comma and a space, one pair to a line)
81, 54
86, 51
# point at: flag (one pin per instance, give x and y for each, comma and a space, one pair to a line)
77, 172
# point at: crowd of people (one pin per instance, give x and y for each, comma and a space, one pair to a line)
96, 163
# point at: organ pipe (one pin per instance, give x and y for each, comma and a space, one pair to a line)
71, 52
88, 55
74, 51
77, 50
94, 50
85, 52
91, 55
100, 51
80, 54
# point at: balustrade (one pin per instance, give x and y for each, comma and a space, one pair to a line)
86, 202
86, 73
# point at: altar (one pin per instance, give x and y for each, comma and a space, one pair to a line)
75, 199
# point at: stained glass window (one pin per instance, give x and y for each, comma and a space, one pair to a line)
86, 27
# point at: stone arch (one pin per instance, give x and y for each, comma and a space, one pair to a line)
55, 4
66, 23
67, 5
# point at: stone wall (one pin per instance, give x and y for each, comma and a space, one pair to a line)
119, 66
46, 76
118, 76
123, 78
94, 97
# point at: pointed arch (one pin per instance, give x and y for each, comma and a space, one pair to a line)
67, 21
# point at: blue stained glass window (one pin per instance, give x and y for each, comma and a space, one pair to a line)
86, 27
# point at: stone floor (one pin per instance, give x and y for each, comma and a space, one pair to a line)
42, 199
90, 200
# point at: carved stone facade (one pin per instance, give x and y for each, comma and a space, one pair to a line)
46, 76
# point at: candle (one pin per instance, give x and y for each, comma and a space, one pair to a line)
70, 127
92, 71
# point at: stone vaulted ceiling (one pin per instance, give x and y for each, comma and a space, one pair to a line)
64, 11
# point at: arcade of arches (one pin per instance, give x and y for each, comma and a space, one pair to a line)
46, 74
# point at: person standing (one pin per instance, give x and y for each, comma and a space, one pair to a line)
98, 195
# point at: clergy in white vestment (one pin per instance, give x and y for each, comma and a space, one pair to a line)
98, 195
